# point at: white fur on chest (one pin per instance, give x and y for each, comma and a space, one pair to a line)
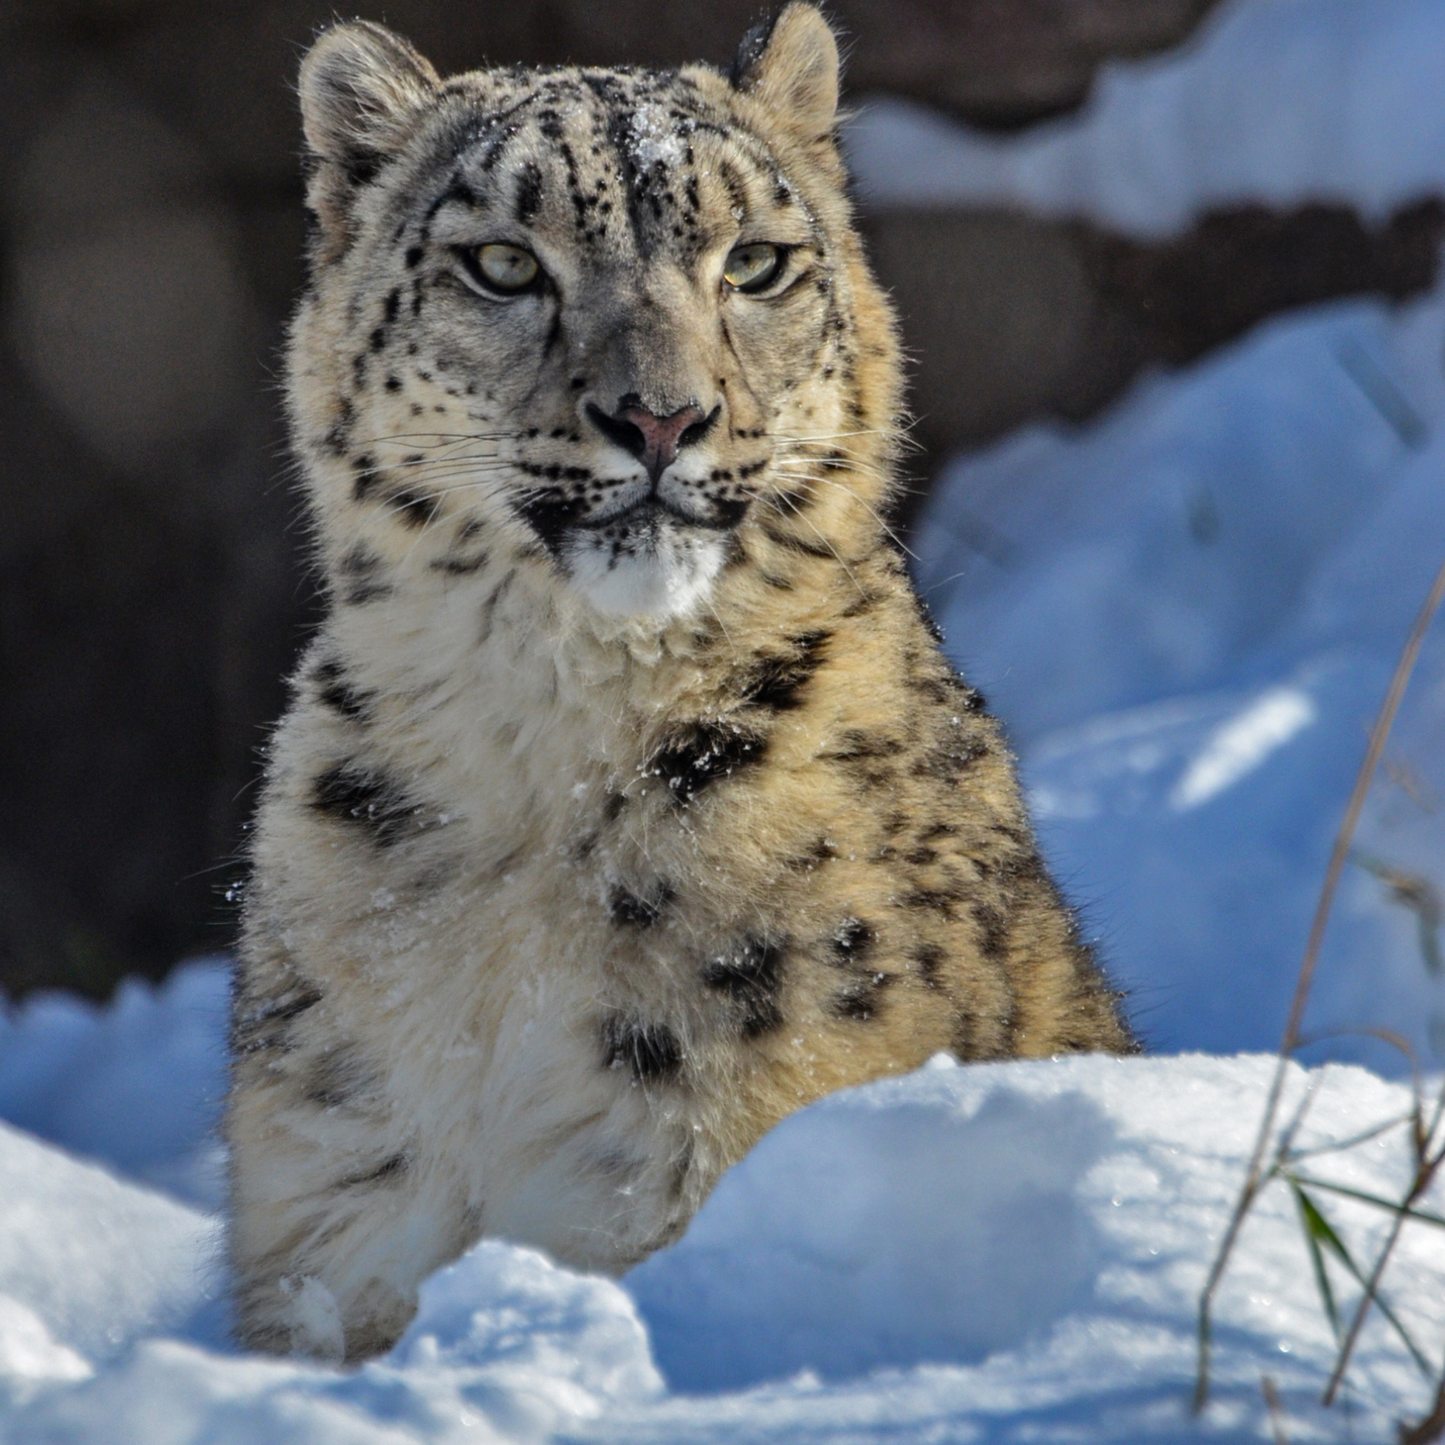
479, 996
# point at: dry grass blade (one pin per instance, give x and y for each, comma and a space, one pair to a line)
1421, 897
1276, 1414
1428, 1158
1431, 1428
1344, 840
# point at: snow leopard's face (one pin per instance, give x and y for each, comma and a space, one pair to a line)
608, 310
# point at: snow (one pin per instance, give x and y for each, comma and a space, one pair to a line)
1186, 613
1005, 1252
1276, 101
655, 139
1241, 743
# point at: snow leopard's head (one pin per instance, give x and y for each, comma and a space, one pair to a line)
614, 322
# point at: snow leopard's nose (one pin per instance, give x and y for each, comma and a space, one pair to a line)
654, 440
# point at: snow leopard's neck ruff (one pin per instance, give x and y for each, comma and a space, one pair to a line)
626, 803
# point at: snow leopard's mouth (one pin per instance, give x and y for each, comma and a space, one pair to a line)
560, 520
654, 510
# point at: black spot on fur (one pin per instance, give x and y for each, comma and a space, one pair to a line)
361, 166
369, 799
777, 682
936, 900
703, 753
529, 193
459, 566
629, 910
936, 831
338, 1076
859, 745
851, 942
929, 958
361, 566
359, 593
865, 601
651, 1051
859, 999
264, 1026
806, 546
338, 693
549, 514
944, 686
950, 760
367, 475
414, 508
388, 1171
413, 256
752, 974
993, 933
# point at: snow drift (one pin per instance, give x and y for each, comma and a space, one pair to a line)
1004, 1252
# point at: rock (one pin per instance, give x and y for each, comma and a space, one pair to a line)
1010, 317
128, 306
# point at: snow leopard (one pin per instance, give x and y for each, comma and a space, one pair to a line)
626, 802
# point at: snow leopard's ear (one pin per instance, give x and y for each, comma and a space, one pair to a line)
361, 87
790, 64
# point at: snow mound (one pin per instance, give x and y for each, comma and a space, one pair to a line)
1019, 1248
89, 1264
1003, 1252
1276, 101
137, 1083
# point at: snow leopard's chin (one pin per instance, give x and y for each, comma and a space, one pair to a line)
658, 569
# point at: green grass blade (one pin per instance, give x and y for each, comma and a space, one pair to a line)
1311, 1221
1321, 1228
1393, 1206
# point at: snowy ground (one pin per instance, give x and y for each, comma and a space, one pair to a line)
1009, 1252
1187, 613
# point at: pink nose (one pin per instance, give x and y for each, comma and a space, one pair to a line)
654, 440
660, 434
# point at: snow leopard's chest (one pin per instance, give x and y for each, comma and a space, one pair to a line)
534, 1060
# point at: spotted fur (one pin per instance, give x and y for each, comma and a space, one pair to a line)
626, 803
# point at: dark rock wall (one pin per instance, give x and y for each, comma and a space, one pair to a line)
1011, 317
152, 580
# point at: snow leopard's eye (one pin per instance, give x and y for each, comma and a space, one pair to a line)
500, 268
753, 267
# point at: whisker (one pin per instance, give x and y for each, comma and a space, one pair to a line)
826, 541
438, 438
845, 488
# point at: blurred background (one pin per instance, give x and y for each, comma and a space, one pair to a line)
153, 584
